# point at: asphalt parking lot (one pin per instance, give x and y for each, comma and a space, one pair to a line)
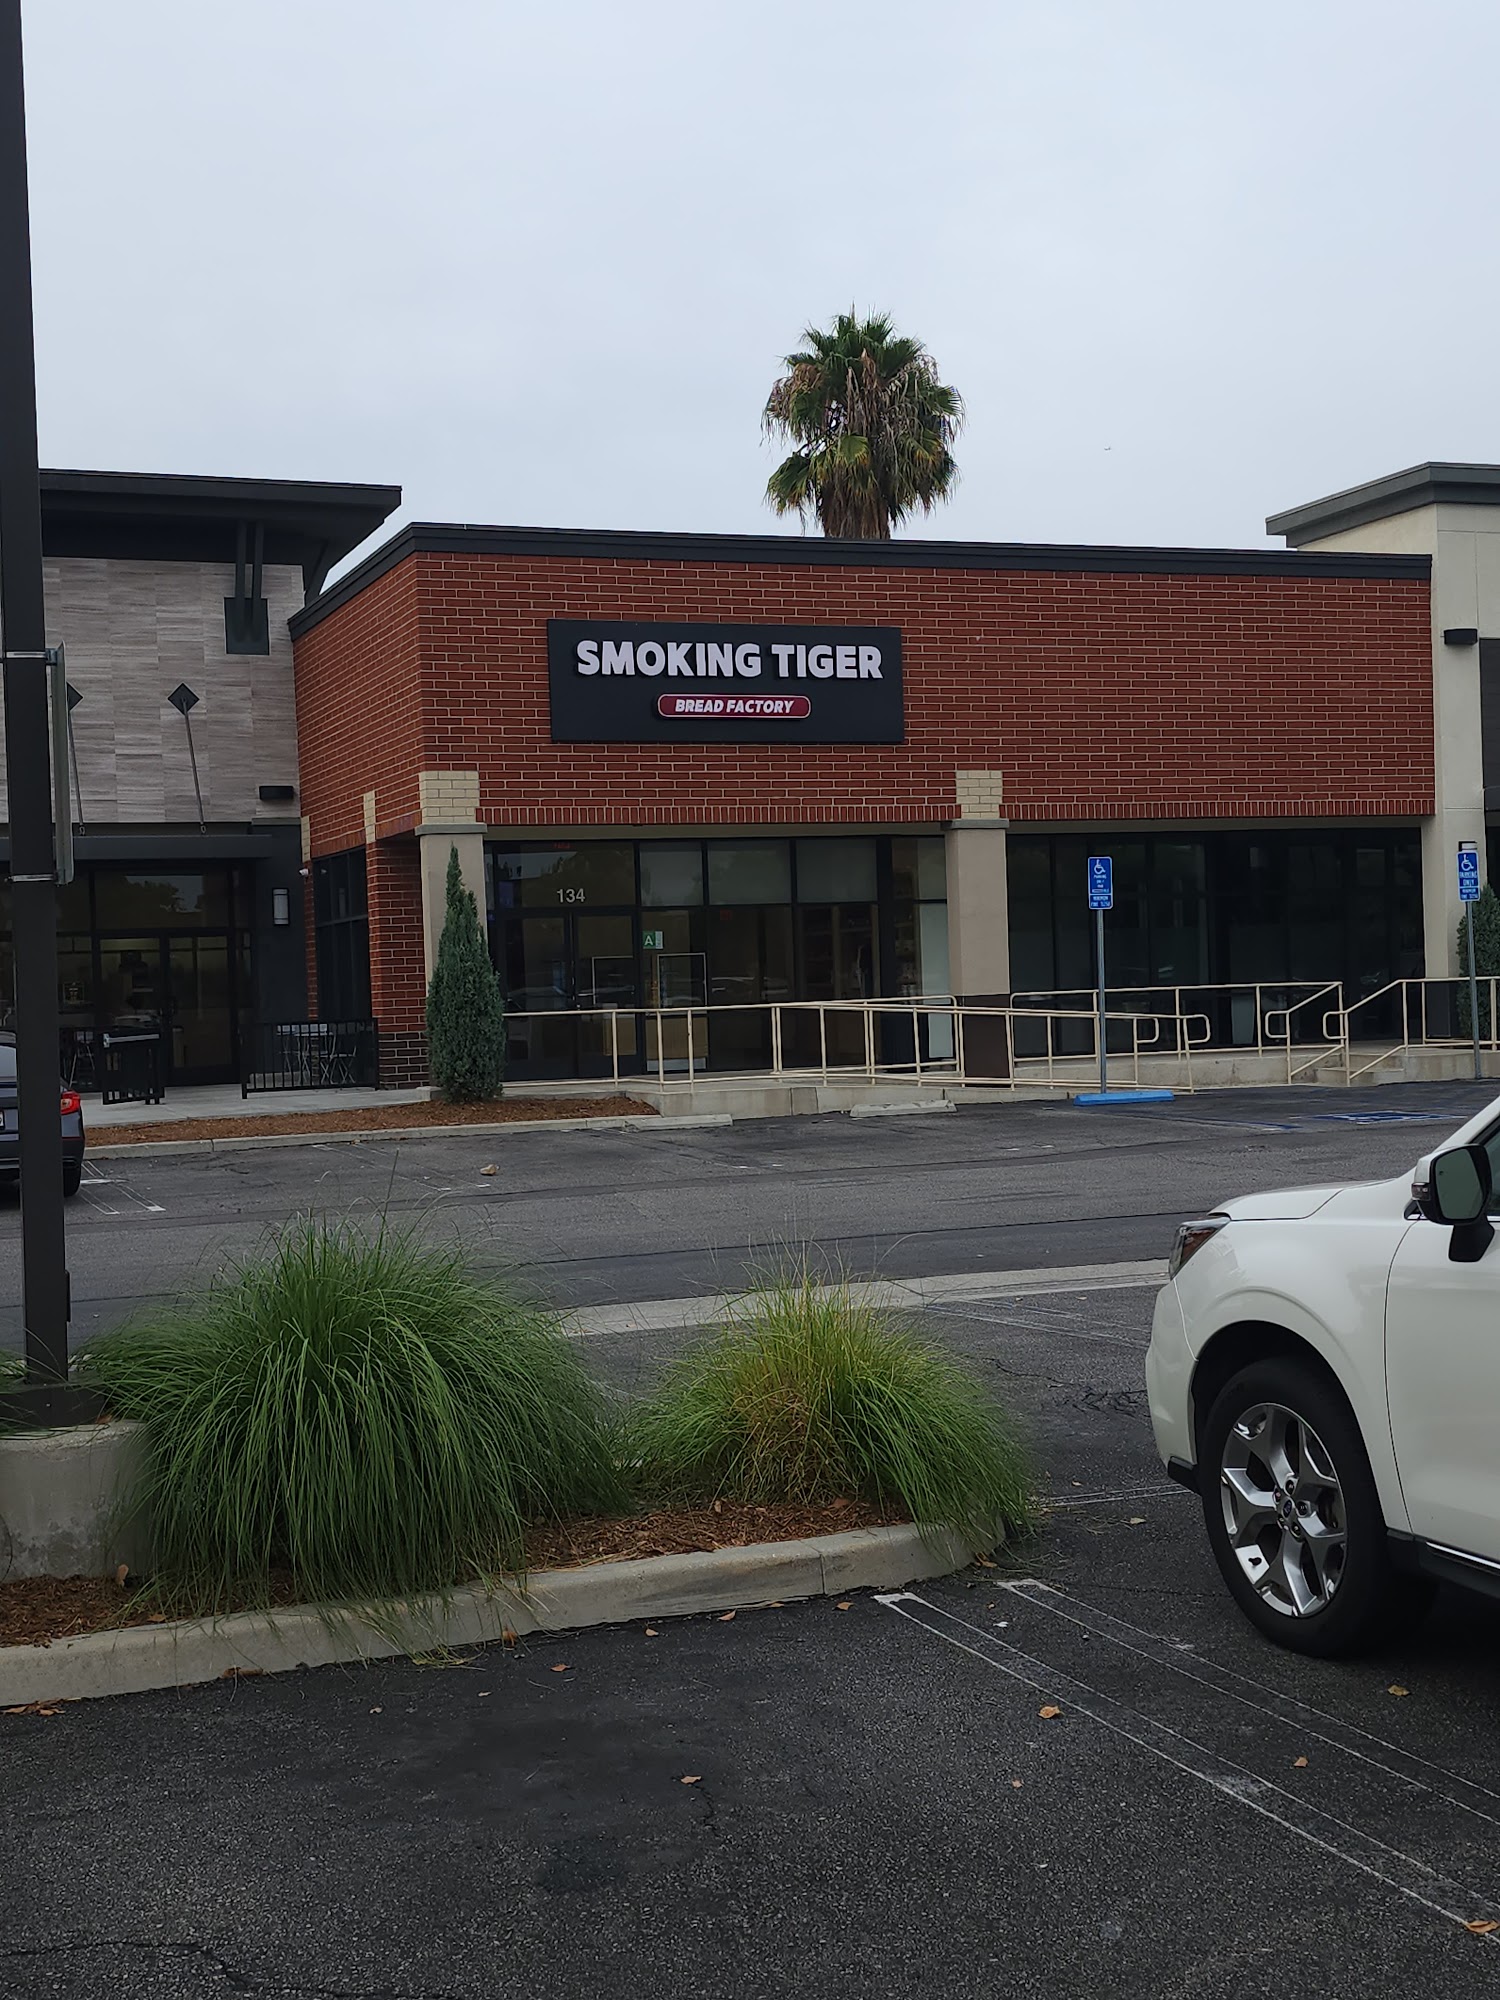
590, 1217
878, 1803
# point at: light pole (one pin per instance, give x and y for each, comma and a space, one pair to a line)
28, 759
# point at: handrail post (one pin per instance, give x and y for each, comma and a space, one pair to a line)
614, 1045
776, 1058
916, 1043
823, 1038
869, 1041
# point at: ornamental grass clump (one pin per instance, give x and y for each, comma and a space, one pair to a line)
805, 1395
353, 1415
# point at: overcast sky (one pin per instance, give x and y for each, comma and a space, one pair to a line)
1187, 263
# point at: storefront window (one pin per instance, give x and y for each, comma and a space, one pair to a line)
919, 869
552, 878
141, 901
730, 927
836, 871
758, 871
671, 874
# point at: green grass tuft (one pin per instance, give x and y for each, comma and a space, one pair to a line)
360, 1410
805, 1395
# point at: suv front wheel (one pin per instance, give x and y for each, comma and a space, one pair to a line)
1293, 1514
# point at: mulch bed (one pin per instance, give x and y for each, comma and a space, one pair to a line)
35, 1610
372, 1118
676, 1531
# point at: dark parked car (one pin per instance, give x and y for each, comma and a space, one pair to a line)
10, 1138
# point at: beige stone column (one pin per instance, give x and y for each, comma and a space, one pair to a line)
450, 819
978, 907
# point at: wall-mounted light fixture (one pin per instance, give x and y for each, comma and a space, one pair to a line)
281, 906
1461, 635
185, 701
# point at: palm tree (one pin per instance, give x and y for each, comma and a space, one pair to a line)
872, 425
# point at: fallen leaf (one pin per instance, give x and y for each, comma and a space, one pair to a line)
507, 1636
121, 1573
651, 1632
690, 1781
560, 1668
241, 1673
487, 1171
1393, 1689
1136, 1521
1048, 1712
33, 1708
1299, 1763
484, 1694
377, 1711
1015, 1784
718, 1507
984, 1562
844, 1604
1482, 1926
774, 1605
725, 1616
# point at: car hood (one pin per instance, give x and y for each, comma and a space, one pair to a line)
1284, 1205
1376, 1200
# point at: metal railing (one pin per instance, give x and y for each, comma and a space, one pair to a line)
309, 1055
1268, 1016
1433, 1014
830, 1041
130, 1066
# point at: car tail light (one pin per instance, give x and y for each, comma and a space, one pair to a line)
1191, 1237
71, 1102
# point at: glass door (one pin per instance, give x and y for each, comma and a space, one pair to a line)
180, 986
564, 974
605, 978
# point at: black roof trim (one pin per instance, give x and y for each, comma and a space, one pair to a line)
624, 545
1397, 493
181, 517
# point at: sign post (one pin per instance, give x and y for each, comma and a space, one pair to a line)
1468, 895
1101, 898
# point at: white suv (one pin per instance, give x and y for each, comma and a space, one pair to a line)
1324, 1370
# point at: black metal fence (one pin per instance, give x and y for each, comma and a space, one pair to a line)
130, 1067
309, 1055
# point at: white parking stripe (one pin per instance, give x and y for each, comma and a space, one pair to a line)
1395, 1869
1180, 1657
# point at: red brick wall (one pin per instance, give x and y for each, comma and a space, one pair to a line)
1099, 697
398, 980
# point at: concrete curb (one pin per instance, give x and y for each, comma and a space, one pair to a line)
142, 1657
693, 1121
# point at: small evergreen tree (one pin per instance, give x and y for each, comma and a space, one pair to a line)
465, 1011
1486, 916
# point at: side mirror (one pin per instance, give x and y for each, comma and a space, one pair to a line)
1458, 1193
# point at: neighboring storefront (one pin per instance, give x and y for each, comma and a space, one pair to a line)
723, 772
171, 596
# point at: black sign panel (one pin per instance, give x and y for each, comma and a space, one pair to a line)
690, 683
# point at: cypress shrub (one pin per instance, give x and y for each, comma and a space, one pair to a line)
465, 1010
1486, 919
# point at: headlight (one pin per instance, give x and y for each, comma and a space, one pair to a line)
1191, 1237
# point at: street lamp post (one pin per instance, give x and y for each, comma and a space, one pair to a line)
28, 759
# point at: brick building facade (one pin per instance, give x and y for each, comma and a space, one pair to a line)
1226, 721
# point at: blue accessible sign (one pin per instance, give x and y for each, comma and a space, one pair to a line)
1102, 882
1468, 875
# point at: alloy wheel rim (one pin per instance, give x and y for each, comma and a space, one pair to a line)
1283, 1509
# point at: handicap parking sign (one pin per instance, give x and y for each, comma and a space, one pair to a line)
1468, 874
1102, 882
